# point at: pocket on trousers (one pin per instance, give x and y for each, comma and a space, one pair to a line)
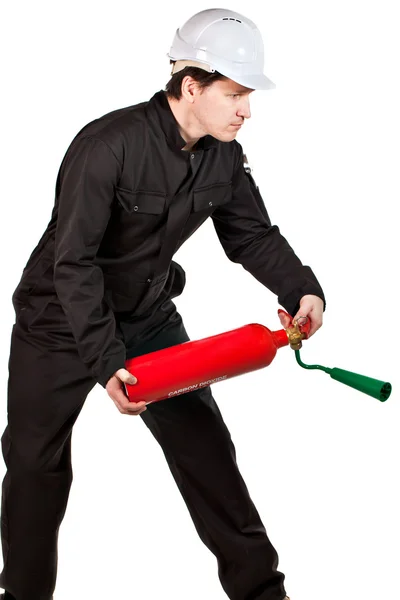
132, 296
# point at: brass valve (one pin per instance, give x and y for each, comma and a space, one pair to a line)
295, 336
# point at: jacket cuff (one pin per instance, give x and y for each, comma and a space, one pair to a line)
111, 366
291, 302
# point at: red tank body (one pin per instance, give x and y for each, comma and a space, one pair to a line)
195, 364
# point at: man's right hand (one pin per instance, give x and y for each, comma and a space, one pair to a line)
116, 390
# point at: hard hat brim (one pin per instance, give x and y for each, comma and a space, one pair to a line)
255, 82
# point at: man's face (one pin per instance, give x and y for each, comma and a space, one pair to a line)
221, 109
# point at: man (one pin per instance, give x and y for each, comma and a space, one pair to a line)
98, 289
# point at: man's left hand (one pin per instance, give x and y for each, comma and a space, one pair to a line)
311, 307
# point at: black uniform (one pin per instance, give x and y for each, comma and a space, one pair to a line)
97, 290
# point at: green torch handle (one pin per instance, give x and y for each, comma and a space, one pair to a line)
380, 390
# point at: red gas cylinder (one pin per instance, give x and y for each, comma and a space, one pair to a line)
193, 365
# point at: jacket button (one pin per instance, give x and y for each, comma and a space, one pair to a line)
192, 156
210, 204
135, 208
149, 281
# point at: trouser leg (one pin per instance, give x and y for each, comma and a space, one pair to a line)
46, 391
201, 456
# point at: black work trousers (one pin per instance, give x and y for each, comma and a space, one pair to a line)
47, 390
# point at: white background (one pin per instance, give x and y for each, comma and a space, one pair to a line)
320, 459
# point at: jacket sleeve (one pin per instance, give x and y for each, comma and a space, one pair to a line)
85, 191
248, 238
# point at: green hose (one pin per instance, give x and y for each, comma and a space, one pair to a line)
373, 387
297, 353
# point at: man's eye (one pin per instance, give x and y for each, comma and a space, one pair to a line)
235, 95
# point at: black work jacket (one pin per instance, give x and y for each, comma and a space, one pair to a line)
127, 197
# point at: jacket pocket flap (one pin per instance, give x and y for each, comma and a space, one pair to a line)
152, 203
212, 196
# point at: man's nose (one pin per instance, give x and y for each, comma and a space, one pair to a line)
244, 109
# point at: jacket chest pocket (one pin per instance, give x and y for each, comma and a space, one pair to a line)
141, 209
208, 198
205, 201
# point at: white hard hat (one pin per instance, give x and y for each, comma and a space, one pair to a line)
225, 41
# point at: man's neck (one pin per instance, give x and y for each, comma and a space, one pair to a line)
184, 125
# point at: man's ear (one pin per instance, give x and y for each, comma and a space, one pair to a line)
190, 89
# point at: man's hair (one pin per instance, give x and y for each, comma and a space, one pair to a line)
203, 78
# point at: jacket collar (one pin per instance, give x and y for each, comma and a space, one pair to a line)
159, 108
